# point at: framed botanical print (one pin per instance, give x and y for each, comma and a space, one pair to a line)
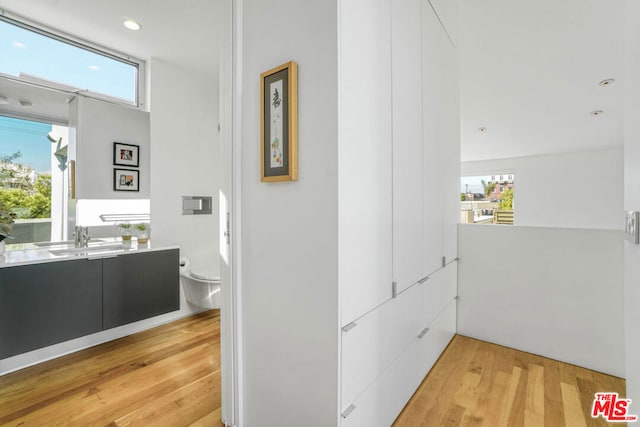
279, 123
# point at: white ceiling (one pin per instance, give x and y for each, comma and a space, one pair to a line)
530, 72
529, 69
180, 32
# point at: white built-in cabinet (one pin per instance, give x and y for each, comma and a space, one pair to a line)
365, 153
398, 194
387, 352
407, 165
441, 128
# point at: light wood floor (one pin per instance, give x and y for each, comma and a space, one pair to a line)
475, 383
170, 376
166, 376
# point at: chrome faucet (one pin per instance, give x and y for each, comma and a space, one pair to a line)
81, 237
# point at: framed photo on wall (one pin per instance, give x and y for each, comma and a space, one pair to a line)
126, 180
279, 123
126, 154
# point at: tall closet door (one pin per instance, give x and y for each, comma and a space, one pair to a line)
365, 153
408, 225
448, 136
434, 167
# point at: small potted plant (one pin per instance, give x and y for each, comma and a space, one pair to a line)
6, 225
126, 230
142, 230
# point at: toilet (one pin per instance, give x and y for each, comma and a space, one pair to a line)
201, 284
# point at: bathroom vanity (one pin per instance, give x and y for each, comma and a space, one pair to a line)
47, 298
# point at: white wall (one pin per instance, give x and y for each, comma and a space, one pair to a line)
94, 126
184, 158
581, 190
632, 196
290, 242
549, 291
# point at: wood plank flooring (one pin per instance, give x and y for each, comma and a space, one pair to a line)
170, 376
475, 383
166, 376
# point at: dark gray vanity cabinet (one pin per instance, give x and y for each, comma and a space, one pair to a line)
44, 304
48, 303
140, 285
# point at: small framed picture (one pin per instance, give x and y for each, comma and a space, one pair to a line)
126, 154
126, 180
279, 123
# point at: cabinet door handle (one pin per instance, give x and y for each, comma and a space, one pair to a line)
349, 326
348, 411
423, 332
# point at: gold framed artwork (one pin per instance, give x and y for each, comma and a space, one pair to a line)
279, 123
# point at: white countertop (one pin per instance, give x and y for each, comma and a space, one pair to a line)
34, 253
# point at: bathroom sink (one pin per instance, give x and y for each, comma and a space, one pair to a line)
60, 243
87, 250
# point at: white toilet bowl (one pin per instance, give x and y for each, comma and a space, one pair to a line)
201, 285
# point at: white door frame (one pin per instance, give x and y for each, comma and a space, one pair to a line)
231, 213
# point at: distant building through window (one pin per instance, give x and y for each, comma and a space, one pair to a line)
487, 200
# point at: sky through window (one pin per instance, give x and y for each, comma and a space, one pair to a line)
24, 51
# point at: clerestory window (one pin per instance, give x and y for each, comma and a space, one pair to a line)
35, 55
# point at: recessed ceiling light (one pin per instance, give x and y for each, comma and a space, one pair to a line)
607, 82
132, 25
4, 100
482, 129
25, 103
597, 113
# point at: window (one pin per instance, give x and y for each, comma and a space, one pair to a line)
34, 55
483, 200
33, 166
